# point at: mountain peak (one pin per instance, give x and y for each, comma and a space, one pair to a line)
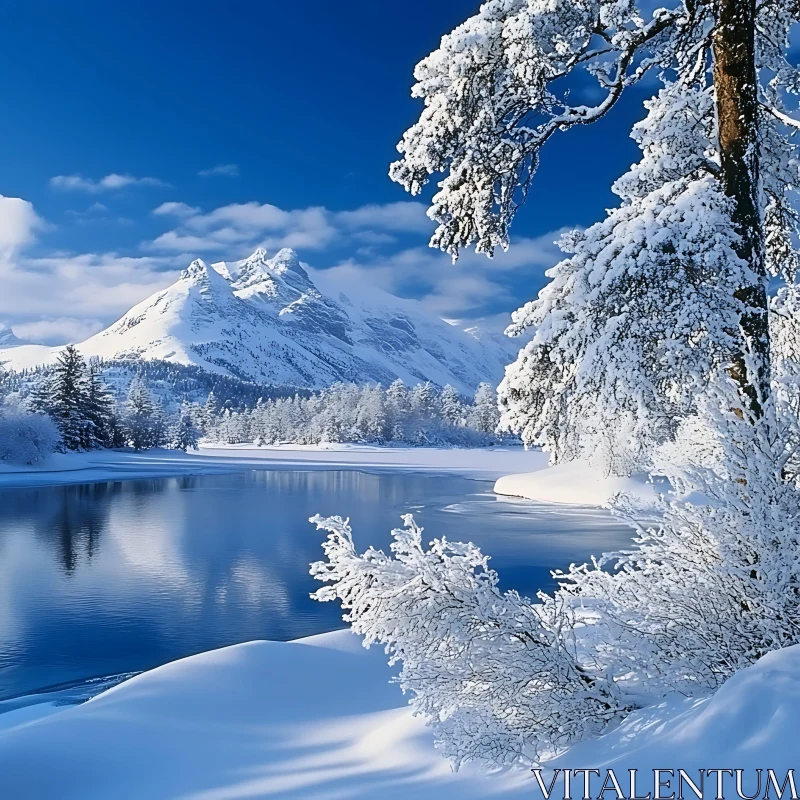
286, 260
200, 274
197, 269
274, 325
258, 256
7, 336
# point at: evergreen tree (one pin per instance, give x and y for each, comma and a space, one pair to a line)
424, 399
63, 396
211, 412
452, 409
672, 286
184, 434
99, 411
485, 413
143, 420
397, 406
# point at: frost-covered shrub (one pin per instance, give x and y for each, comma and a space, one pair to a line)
710, 584
26, 438
497, 676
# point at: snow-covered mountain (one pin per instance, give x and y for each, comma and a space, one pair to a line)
7, 337
264, 319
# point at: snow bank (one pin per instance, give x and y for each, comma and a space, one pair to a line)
749, 724
310, 719
575, 483
318, 718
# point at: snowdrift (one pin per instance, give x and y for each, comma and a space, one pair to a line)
318, 718
574, 483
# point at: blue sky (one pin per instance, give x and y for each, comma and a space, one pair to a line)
144, 134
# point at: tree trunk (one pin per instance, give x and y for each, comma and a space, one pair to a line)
736, 87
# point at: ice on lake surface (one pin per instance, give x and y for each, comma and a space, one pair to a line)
108, 578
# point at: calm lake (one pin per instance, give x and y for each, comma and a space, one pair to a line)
107, 578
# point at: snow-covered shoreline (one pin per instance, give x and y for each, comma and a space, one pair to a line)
64, 468
517, 472
573, 483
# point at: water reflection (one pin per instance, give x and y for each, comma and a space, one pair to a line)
121, 576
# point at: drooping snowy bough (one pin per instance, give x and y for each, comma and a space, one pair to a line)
672, 284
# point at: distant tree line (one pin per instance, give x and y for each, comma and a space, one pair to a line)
422, 415
70, 407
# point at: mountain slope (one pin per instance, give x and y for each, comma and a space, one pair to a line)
264, 319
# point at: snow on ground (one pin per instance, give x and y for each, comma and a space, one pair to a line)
318, 718
489, 462
575, 483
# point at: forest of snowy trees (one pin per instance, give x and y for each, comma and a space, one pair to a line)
71, 407
422, 415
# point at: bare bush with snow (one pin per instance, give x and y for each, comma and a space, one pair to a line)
26, 438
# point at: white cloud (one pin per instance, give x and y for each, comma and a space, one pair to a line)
97, 213
244, 225
406, 216
18, 225
65, 296
248, 225
89, 291
228, 170
112, 182
68, 296
58, 330
176, 210
454, 290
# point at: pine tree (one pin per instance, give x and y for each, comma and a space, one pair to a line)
673, 285
211, 412
63, 396
485, 414
656, 327
184, 434
99, 411
397, 407
452, 409
424, 398
143, 420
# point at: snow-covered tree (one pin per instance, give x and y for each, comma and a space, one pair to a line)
98, 408
210, 411
63, 397
655, 344
484, 414
672, 285
371, 422
184, 433
452, 409
143, 420
424, 399
369, 414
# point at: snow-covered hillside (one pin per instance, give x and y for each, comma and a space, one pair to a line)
263, 319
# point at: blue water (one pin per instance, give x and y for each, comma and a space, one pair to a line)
107, 578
